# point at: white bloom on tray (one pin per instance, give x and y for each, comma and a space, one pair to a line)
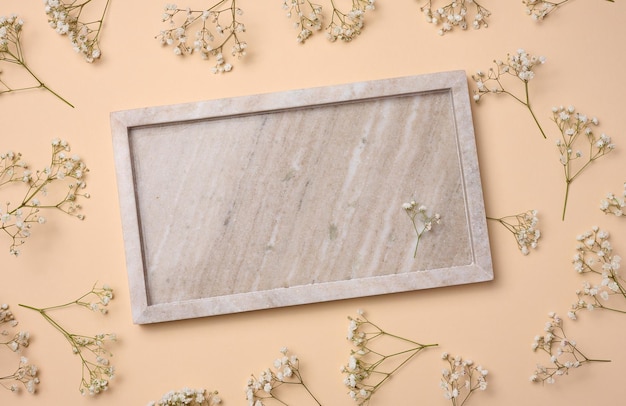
420, 220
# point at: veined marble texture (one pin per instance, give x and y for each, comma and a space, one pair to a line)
268, 201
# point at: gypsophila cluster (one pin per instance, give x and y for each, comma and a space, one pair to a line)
368, 366
576, 129
264, 388
519, 65
461, 379
308, 16
348, 26
523, 226
67, 17
6, 316
206, 32
594, 255
11, 51
25, 374
563, 352
420, 219
17, 342
190, 397
58, 186
454, 14
20, 339
92, 350
540, 9
614, 204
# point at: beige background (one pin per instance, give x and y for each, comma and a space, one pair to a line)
493, 323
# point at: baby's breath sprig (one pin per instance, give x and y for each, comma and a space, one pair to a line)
573, 126
462, 377
18, 341
190, 397
363, 374
614, 204
308, 14
25, 374
11, 52
96, 369
454, 14
347, 26
222, 15
523, 226
64, 16
6, 316
594, 255
540, 9
286, 371
564, 352
520, 66
63, 170
421, 220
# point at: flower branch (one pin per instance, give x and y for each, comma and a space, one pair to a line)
96, 370
25, 374
420, 219
520, 66
11, 52
594, 255
454, 14
308, 15
347, 26
573, 127
364, 374
190, 397
523, 226
563, 351
343, 26
65, 18
540, 9
222, 16
462, 377
614, 204
286, 371
64, 170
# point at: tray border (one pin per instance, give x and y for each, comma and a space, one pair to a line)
123, 122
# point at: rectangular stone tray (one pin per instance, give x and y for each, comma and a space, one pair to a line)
297, 197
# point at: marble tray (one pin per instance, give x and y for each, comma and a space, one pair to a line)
297, 197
